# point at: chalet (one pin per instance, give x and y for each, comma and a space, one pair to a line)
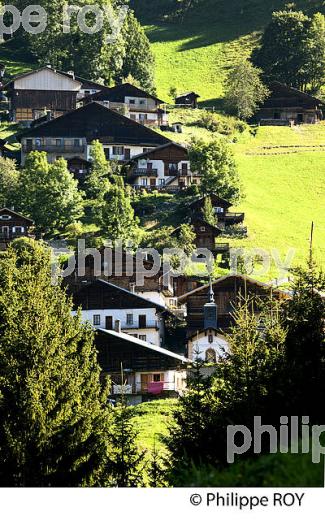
108, 306
149, 371
206, 235
289, 106
166, 167
123, 269
46, 92
71, 135
133, 102
226, 293
188, 99
221, 207
12, 225
32, 94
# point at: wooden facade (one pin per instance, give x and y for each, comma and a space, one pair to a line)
227, 290
289, 106
189, 99
221, 208
12, 225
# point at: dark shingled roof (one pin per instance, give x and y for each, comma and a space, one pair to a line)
117, 94
95, 121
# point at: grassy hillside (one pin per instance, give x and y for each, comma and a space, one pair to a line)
194, 53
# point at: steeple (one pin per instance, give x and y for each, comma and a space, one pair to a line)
210, 310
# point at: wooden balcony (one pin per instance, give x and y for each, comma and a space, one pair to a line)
49, 148
221, 248
144, 172
231, 218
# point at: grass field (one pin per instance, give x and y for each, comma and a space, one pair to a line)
195, 53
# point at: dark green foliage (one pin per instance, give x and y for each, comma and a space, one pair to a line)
54, 419
293, 50
127, 460
8, 181
215, 162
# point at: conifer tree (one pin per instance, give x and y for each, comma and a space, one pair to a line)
127, 458
97, 182
156, 470
208, 212
54, 418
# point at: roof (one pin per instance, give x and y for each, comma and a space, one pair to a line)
118, 93
214, 198
12, 212
244, 278
187, 94
157, 149
135, 341
31, 72
133, 295
278, 86
196, 220
95, 121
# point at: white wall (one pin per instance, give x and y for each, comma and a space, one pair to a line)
153, 335
202, 345
159, 166
47, 79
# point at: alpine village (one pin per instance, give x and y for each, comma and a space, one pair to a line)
117, 161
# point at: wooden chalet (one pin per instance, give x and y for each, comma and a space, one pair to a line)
187, 99
149, 371
45, 93
12, 225
166, 168
71, 135
226, 293
289, 106
125, 270
221, 207
206, 235
133, 102
108, 306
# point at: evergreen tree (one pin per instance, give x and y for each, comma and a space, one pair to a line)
97, 182
54, 419
156, 470
215, 162
316, 52
48, 193
208, 212
245, 91
127, 461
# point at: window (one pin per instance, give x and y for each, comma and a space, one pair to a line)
210, 356
38, 142
58, 142
19, 230
143, 337
141, 102
5, 217
173, 167
24, 114
129, 319
118, 150
162, 182
132, 101
219, 210
144, 182
202, 228
107, 153
157, 378
76, 142
142, 321
96, 319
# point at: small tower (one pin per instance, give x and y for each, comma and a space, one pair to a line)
210, 311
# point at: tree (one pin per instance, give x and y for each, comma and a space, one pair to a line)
305, 343
127, 460
8, 181
97, 182
208, 212
316, 52
245, 90
139, 59
48, 193
292, 50
116, 216
54, 419
216, 164
173, 93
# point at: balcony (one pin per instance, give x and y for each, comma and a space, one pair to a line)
141, 172
221, 248
150, 324
49, 148
154, 388
231, 218
12, 235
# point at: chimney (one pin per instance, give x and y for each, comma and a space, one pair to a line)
211, 311
132, 288
117, 326
71, 73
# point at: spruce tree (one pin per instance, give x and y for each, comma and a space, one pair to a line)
54, 418
127, 460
